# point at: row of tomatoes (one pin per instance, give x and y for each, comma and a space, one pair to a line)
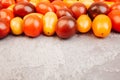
56, 17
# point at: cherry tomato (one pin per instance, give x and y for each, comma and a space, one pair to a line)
7, 3
64, 12
70, 2
78, 9
32, 14
32, 26
4, 28
115, 6
35, 2
66, 27
16, 25
17, 1
44, 7
58, 5
98, 8
6, 14
101, 25
23, 8
49, 23
115, 18
84, 23
113, 0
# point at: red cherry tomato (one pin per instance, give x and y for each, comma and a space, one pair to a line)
59, 5
7, 3
32, 25
115, 18
4, 28
66, 27
6, 14
78, 9
64, 12
23, 8
44, 7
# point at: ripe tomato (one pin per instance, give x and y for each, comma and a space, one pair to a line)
32, 26
23, 8
101, 25
59, 5
114, 0
17, 1
16, 25
84, 23
7, 3
66, 27
115, 6
44, 7
6, 14
4, 28
115, 18
37, 14
35, 2
70, 2
64, 12
78, 9
49, 23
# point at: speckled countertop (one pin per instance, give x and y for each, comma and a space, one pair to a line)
82, 57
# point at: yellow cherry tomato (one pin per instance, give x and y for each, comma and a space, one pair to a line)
101, 25
87, 2
16, 25
49, 23
11, 7
35, 2
70, 2
84, 23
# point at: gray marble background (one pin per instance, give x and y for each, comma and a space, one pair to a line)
82, 57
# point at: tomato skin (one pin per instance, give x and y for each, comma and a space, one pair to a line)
23, 8
6, 14
4, 29
64, 12
115, 18
66, 27
84, 23
58, 5
32, 26
101, 25
16, 25
7, 3
78, 9
44, 7
49, 23
115, 6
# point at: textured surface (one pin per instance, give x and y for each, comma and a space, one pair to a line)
82, 57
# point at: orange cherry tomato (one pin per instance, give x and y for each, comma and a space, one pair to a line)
84, 23
44, 7
49, 21
101, 25
59, 5
16, 25
6, 14
7, 3
32, 26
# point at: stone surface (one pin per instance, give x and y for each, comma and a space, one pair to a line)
82, 57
